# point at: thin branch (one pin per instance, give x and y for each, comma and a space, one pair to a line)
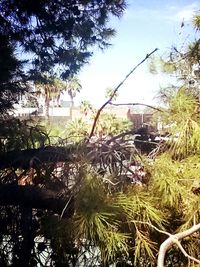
115, 91
65, 207
185, 253
121, 135
154, 227
34, 157
135, 104
109, 181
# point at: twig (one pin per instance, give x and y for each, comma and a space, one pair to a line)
121, 135
185, 253
109, 181
115, 91
154, 227
65, 207
135, 104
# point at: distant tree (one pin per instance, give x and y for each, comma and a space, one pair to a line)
110, 92
109, 123
85, 107
73, 87
50, 89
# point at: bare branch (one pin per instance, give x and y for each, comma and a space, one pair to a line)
115, 91
65, 207
185, 253
174, 239
136, 104
152, 226
171, 240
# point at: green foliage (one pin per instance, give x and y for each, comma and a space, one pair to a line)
157, 64
73, 87
167, 182
58, 33
196, 21
167, 66
182, 62
85, 107
139, 205
55, 132
110, 93
76, 130
116, 219
111, 124
152, 65
95, 219
144, 247
16, 135
182, 121
12, 82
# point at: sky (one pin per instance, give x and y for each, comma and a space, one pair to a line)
145, 25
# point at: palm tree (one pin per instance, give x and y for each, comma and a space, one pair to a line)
85, 107
110, 93
76, 130
50, 89
73, 87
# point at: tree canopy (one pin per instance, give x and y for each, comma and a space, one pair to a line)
58, 36
12, 79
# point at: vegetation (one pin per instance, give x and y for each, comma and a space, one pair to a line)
49, 89
110, 124
85, 107
12, 79
73, 87
85, 202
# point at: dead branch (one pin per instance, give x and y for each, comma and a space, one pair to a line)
115, 91
174, 239
136, 104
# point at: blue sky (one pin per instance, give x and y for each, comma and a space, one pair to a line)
145, 25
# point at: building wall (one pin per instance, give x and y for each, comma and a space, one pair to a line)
118, 111
59, 114
142, 120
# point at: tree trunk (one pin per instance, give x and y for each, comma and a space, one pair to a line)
27, 235
34, 197
35, 157
72, 100
47, 102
